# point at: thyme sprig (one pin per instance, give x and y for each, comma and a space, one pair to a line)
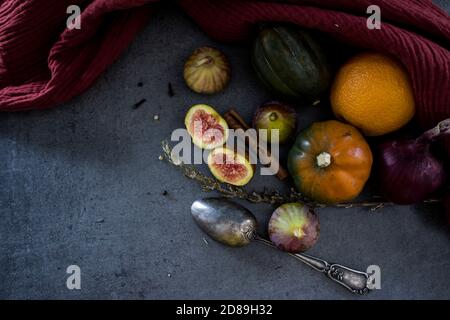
273, 197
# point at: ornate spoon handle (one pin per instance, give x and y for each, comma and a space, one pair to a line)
357, 282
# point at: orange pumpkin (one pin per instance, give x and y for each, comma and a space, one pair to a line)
330, 162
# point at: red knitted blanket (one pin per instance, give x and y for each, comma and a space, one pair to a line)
42, 63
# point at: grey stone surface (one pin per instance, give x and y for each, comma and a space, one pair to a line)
82, 184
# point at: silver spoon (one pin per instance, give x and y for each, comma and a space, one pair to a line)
234, 225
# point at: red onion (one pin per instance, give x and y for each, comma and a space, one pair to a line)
409, 172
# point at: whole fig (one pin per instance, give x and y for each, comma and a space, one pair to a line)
276, 115
294, 227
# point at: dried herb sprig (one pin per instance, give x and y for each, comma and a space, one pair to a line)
272, 197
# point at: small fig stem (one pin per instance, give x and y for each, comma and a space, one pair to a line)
203, 61
273, 116
442, 128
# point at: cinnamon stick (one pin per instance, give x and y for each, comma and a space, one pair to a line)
235, 121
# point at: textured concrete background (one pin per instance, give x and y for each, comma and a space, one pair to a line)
81, 184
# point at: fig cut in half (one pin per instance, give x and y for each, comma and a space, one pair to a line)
230, 167
294, 227
206, 126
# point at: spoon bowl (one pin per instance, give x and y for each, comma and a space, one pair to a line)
225, 221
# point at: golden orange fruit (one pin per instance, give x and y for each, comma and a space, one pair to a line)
373, 92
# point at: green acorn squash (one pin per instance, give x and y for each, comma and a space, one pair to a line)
291, 62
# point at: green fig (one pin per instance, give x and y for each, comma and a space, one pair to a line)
275, 115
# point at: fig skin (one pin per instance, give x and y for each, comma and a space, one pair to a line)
276, 115
210, 119
207, 71
235, 169
294, 227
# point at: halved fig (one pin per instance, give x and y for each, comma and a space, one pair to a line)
294, 227
230, 167
206, 127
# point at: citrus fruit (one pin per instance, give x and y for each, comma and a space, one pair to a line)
373, 92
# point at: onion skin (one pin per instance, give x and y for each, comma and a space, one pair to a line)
409, 173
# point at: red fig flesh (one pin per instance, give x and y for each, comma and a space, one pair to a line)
230, 167
206, 127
